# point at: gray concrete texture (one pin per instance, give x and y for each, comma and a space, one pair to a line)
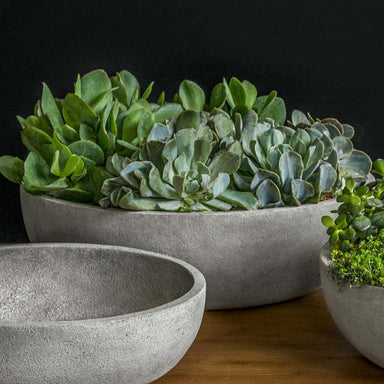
358, 312
247, 257
92, 314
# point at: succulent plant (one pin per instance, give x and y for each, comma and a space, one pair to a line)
175, 173
293, 165
70, 139
361, 212
106, 143
233, 97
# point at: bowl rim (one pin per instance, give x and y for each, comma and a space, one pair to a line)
199, 285
50, 199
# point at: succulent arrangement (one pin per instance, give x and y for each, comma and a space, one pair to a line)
106, 144
357, 234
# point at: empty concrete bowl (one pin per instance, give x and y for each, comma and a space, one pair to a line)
82, 314
248, 258
358, 312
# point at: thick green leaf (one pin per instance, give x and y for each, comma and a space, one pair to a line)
76, 111
93, 85
220, 184
268, 194
188, 119
299, 117
167, 112
224, 162
49, 107
245, 200
12, 168
35, 140
88, 149
148, 91
357, 165
93, 181
251, 93
291, 167
192, 96
302, 190
275, 110
218, 96
238, 91
361, 223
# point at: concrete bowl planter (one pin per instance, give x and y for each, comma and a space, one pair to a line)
90, 314
358, 312
247, 257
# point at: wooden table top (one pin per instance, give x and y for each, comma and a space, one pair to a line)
292, 342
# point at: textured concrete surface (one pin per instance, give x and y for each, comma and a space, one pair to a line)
92, 314
358, 312
247, 257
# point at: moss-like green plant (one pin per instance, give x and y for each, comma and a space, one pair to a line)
362, 264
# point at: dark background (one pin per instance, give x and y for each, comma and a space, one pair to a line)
325, 57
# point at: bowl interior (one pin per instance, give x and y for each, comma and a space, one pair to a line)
68, 282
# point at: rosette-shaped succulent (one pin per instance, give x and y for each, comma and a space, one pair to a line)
178, 171
297, 164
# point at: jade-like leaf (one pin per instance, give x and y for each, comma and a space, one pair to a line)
224, 162
379, 167
93, 85
291, 167
192, 96
93, 181
357, 165
274, 110
302, 190
261, 175
268, 194
38, 177
167, 112
132, 202
348, 131
271, 138
299, 117
12, 168
377, 219
35, 140
223, 126
245, 200
361, 223
129, 130
73, 194
188, 119
201, 153
343, 146
157, 184
76, 111
88, 149
220, 184
218, 96
218, 205
251, 93
130, 84
148, 91
238, 91
49, 107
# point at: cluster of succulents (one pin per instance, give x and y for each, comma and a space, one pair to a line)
107, 144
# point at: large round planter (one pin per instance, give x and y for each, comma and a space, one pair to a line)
247, 257
357, 311
91, 314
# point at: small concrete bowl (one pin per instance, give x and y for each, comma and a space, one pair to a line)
82, 314
247, 257
358, 312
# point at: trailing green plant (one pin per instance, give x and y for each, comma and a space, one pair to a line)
69, 139
360, 214
362, 264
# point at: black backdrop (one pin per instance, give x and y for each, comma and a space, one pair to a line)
322, 56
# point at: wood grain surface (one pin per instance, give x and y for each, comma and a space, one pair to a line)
292, 342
